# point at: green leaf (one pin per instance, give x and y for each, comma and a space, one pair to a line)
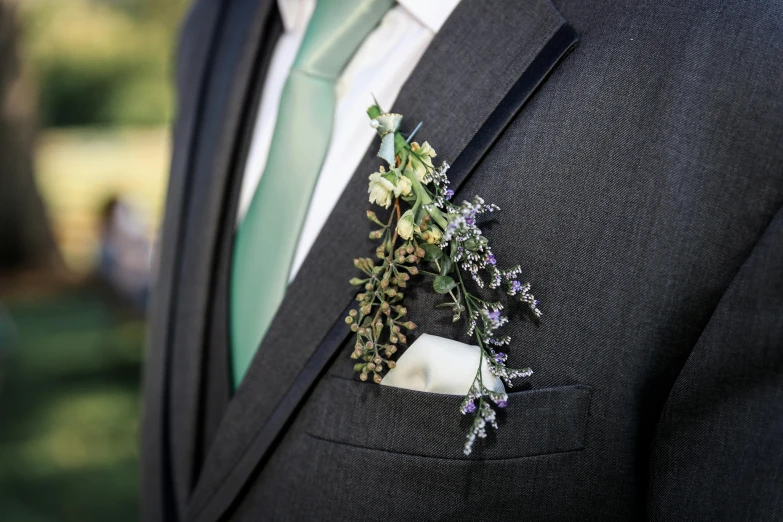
419, 210
471, 244
374, 111
401, 147
431, 252
443, 284
446, 264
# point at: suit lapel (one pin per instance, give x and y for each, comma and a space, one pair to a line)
215, 391
216, 383
194, 60
240, 30
501, 67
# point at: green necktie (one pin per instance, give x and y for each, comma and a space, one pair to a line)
268, 236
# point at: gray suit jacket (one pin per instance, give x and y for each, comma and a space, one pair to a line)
640, 177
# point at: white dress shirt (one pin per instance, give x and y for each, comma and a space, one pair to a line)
380, 67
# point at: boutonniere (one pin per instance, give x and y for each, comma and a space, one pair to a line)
425, 226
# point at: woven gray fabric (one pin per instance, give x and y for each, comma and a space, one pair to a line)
640, 189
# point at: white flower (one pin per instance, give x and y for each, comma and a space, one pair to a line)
380, 189
426, 152
405, 225
420, 161
403, 187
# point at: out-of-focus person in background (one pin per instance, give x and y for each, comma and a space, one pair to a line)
85, 105
124, 262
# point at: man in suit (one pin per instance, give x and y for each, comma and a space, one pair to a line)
636, 152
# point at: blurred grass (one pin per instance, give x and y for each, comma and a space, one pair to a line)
69, 392
69, 408
102, 62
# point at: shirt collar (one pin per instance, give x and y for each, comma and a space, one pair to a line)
295, 13
431, 13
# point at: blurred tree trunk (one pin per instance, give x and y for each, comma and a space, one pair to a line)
26, 240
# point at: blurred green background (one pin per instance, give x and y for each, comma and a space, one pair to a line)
85, 106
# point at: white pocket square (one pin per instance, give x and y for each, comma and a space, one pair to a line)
438, 365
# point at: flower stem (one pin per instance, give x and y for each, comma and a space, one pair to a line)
478, 337
423, 198
394, 239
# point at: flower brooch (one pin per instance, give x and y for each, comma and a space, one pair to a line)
424, 226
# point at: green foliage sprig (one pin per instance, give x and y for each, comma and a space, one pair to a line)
432, 229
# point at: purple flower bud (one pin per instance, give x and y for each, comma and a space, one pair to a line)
494, 316
501, 403
470, 407
491, 259
449, 193
500, 357
516, 286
